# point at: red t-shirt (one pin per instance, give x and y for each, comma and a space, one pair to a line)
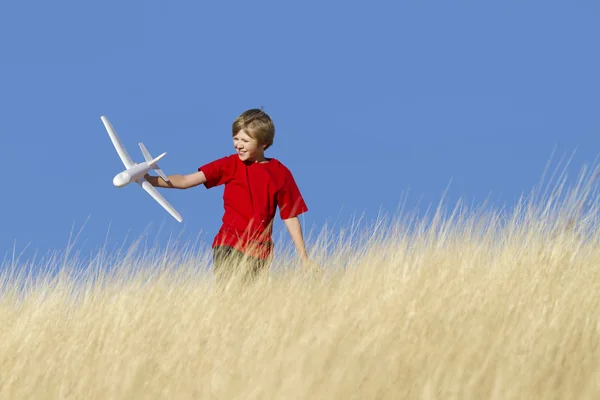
252, 194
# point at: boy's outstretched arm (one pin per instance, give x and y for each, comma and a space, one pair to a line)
177, 181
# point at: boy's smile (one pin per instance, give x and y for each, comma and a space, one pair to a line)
248, 148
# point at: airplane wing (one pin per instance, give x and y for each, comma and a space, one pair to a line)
161, 200
117, 143
148, 159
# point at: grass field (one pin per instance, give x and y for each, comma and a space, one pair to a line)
466, 304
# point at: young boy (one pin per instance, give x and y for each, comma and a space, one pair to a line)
254, 187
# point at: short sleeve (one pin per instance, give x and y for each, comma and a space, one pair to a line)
218, 172
290, 201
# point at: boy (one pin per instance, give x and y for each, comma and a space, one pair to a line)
254, 187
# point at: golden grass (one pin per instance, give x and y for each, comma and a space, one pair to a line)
475, 304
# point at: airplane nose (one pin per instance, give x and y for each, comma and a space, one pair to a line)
121, 179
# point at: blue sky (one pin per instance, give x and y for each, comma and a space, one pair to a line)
372, 102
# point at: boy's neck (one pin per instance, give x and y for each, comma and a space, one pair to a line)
260, 159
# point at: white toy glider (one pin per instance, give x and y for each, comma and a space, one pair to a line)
135, 172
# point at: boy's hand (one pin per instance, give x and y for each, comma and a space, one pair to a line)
313, 268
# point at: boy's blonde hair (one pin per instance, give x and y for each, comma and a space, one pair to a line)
257, 124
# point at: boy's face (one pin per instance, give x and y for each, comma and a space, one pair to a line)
247, 147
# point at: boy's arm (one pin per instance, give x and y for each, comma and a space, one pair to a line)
177, 181
293, 226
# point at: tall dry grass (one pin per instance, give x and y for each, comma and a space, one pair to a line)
477, 303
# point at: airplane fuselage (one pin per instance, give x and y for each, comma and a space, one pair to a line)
136, 172
131, 175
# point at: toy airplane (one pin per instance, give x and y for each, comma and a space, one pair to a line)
135, 172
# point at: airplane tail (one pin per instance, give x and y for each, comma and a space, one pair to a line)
153, 163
